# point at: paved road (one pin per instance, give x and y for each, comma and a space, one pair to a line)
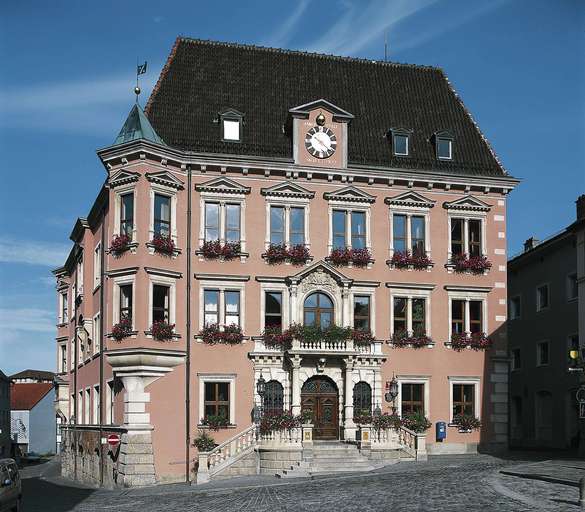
455, 483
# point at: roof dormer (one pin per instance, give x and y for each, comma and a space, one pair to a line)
443, 141
231, 123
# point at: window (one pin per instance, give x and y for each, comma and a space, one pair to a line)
297, 226
515, 307
466, 236
110, 403
125, 302
411, 398
217, 400
162, 215
349, 229
417, 235
79, 277
96, 332
63, 361
273, 309
231, 130
361, 312
231, 229
399, 232
339, 220
127, 214
318, 311
96, 405
160, 303
277, 234
516, 359
80, 408
87, 407
409, 234
362, 398
467, 316
97, 266
213, 313
572, 286
409, 315
211, 309
358, 230
444, 148
542, 355
273, 398
400, 144
542, 297
463, 399
232, 307
64, 308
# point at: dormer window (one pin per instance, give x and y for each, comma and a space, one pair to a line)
444, 145
400, 142
231, 125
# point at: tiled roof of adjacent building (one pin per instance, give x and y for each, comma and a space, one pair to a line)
203, 78
33, 375
25, 396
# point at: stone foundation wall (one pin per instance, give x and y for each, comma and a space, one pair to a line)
451, 448
246, 466
382, 455
272, 461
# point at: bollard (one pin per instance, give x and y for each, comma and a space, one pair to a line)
582, 492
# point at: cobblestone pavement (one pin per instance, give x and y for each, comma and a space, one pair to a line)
450, 483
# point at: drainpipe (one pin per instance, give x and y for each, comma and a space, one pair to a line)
102, 295
188, 337
75, 360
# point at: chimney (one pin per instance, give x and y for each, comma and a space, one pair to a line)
580, 207
531, 243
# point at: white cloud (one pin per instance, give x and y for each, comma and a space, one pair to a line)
14, 320
280, 37
32, 252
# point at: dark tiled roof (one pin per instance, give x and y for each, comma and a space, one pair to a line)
23, 397
202, 78
33, 374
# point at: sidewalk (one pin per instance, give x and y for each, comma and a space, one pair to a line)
565, 472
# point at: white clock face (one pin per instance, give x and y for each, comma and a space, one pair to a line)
321, 142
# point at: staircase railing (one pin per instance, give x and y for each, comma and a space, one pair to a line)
413, 443
286, 437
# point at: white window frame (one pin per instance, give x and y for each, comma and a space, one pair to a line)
539, 363
414, 379
274, 287
97, 265
169, 282
467, 216
96, 332
539, 307
515, 315
72, 354
156, 188
62, 343
222, 199
513, 362
407, 137
118, 282
569, 297
80, 402
410, 211
87, 406
469, 296
476, 381
109, 416
287, 204
79, 277
450, 141
348, 208
409, 294
119, 192
96, 405
211, 378
62, 301
224, 132
223, 286
361, 291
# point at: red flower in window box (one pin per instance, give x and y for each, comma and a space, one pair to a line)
363, 417
120, 244
231, 250
340, 256
477, 341
360, 257
386, 421
298, 254
274, 336
162, 331
467, 422
213, 249
360, 337
230, 335
163, 244
474, 264
122, 329
402, 259
402, 339
276, 253
215, 421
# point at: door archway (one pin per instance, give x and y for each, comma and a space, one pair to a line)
320, 396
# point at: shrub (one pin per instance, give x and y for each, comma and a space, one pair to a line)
163, 244
417, 422
122, 329
204, 442
162, 331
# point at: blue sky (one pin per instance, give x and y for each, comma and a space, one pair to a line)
66, 88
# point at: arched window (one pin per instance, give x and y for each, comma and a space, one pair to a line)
318, 311
362, 398
273, 397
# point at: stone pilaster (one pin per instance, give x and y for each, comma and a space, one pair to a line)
349, 428
296, 385
498, 401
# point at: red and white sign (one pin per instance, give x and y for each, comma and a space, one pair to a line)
113, 440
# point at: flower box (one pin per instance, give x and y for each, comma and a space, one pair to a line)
120, 244
417, 422
276, 253
162, 331
474, 264
283, 421
362, 338
309, 333
274, 336
385, 421
466, 423
213, 249
415, 340
215, 422
163, 244
299, 254
358, 257
405, 259
362, 417
122, 329
477, 341
229, 335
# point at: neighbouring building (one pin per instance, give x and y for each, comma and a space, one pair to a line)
32, 417
28, 376
5, 442
263, 189
545, 296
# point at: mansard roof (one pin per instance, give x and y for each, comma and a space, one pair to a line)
222, 185
136, 127
469, 203
266, 83
410, 198
288, 189
350, 193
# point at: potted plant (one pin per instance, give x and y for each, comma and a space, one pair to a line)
477, 341
162, 331
211, 249
232, 334
280, 421
120, 244
122, 329
417, 422
163, 244
401, 339
404, 259
204, 442
466, 423
231, 250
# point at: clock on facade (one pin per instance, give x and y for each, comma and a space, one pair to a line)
320, 142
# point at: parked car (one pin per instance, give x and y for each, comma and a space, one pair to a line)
10, 486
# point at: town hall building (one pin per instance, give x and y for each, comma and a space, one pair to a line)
280, 235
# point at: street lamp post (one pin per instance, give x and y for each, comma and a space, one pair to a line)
578, 365
391, 393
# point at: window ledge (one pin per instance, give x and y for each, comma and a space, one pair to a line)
410, 268
410, 345
131, 334
62, 324
451, 269
351, 264
207, 427
131, 247
286, 261
151, 250
241, 255
176, 336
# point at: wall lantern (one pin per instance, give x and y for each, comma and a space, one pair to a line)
261, 386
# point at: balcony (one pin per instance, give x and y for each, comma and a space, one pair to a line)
317, 347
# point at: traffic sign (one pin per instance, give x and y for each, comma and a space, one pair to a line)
113, 440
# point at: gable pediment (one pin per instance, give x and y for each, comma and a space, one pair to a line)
320, 272
410, 199
350, 194
222, 185
338, 113
165, 178
288, 189
122, 177
468, 203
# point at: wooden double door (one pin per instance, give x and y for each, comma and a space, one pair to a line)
320, 397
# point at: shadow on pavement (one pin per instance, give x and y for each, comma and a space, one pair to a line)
42, 496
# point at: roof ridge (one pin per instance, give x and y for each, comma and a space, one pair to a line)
286, 51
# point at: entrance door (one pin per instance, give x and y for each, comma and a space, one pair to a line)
319, 395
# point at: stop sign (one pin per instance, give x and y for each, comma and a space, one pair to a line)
113, 440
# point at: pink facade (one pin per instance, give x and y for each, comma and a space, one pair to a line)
153, 377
